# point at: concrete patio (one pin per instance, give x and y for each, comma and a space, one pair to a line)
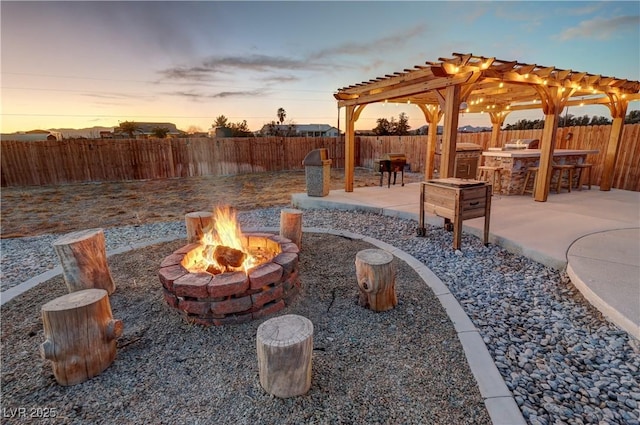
593, 234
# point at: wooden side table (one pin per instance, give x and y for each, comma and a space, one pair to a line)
455, 200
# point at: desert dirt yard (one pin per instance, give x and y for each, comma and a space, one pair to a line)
32, 211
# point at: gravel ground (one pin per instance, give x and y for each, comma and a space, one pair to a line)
402, 366
561, 359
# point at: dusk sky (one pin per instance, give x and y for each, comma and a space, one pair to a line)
85, 64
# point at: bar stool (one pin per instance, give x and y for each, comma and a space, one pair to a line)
570, 168
532, 172
580, 168
493, 174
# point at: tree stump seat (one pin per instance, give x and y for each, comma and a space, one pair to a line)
196, 222
83, 257
291, 225
80, 335
376, 274
285, 345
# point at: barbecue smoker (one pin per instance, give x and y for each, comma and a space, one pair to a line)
392, 163
522, 144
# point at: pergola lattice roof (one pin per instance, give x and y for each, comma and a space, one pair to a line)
488, 84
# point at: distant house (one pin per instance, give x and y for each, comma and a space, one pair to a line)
32, 136
302, 130
145, 130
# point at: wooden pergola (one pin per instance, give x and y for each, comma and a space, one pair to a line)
469, 83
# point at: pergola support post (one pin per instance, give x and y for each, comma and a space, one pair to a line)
548, 143
618, 108
553, 100
497, 119
349, 150
432, 115
450, 131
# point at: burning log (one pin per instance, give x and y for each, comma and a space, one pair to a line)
229, 257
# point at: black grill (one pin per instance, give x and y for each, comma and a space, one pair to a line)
392, 163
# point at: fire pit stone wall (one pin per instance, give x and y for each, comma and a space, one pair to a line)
233, 297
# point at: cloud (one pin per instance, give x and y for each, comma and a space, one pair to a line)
353, 48
230, 64
600, 28
219, 95
213, 66
278, 79
585, 10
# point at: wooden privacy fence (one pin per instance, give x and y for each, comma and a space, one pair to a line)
626, 176
87, 160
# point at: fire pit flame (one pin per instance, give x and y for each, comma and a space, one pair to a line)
221, 246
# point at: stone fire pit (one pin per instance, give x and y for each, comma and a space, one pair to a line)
233, 297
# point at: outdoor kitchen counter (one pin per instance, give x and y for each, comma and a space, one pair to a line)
514, 164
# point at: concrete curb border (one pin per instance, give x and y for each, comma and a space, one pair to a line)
579, 267
498, 400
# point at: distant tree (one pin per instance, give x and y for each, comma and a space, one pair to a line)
566, 120
129, 127
583, 120
240, 129
632, 117
160, 132
598, 121
402, 128
525, 125
384, 127
389, 127
275, 129
271, 129
221, 121
194, 129
282, 114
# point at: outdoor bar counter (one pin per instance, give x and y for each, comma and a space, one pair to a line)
514, 164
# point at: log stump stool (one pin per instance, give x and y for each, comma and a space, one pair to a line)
196, 222
284, 346
83, 257
291, 225
80, 335
376, 274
